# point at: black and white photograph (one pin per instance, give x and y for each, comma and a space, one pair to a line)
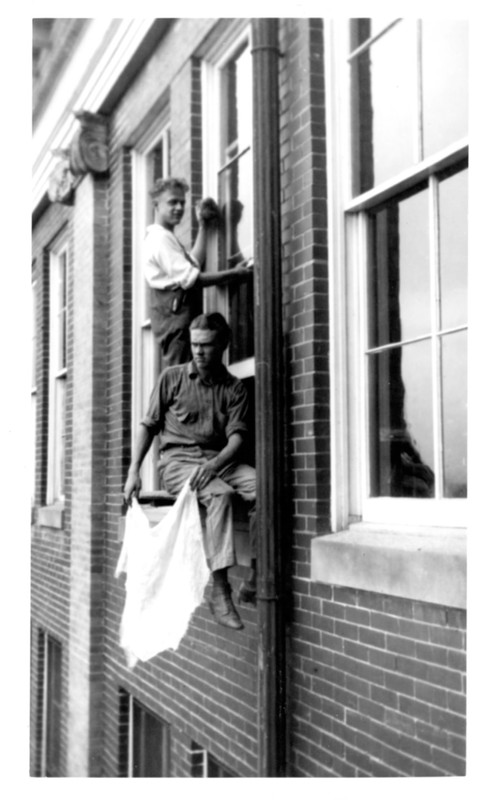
247, 403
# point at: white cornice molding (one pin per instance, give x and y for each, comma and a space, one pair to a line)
103, 52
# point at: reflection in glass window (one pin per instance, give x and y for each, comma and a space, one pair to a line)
400, 422
399, 277
383, 79
235, 195
454, 413
444, 82
416, 354
409, 95
453, 244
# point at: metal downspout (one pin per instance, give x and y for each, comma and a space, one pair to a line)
270, 411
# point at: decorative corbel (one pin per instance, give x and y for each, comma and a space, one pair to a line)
61, 181
88, 152
89, 146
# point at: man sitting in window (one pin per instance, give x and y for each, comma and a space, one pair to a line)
199, 410
174, 274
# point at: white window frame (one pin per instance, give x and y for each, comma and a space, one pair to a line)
34, 340
165, 752
145, 361
214, 61
45, 702
347, 249
59, 260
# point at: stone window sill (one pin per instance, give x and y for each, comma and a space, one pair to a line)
415, 563
157, 511
51, 516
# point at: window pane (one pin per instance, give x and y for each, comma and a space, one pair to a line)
453, 239
401, 443
398, 272
236, 199
235, 195
383, 96
444, 82
61, 301
237, 82
454, 417
148, 743
53, 708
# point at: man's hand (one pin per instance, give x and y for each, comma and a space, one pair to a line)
132, 486
203, 475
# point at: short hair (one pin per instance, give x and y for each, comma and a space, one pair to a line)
213, 322
163, 184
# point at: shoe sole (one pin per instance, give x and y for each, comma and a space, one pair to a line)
220, 621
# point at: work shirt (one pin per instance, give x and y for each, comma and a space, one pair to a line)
187, 410
167, 264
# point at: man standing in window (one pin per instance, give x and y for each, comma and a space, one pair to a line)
174, 275
199, 411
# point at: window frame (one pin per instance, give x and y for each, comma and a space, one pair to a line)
33, 402
166, 736
51, 648
213, 105
145, 360
350, 503
58, 374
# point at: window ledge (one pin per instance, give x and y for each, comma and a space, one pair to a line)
51, 516
415, 563
241, 528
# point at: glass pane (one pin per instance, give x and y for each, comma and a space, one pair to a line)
53, 709
236, 201
398, 271
401, 443
454, 415
147, 744
445, 82
237, 81
61, 300
453, 239
383, 114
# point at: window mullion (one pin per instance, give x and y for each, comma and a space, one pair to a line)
436, 342
363, 363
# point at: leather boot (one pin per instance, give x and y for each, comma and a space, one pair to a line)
221, 605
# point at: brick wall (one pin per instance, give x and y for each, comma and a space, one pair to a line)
304, 228
206, 690
377, 683
380, 685
50, 548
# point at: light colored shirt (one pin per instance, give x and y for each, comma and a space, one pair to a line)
167, 265
188, 411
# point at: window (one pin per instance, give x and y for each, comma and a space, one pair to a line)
228, 176
51, 707
151, 161
405, 201
203, 765
57, 373
145, 741
33, 386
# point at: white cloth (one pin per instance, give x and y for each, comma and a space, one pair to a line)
166, 574
167, 265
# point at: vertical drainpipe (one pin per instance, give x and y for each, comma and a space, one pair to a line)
270, 411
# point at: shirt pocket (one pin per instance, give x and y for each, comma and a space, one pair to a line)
185, 413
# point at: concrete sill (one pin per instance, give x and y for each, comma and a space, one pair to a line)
51, 516
155, 513
415, 563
